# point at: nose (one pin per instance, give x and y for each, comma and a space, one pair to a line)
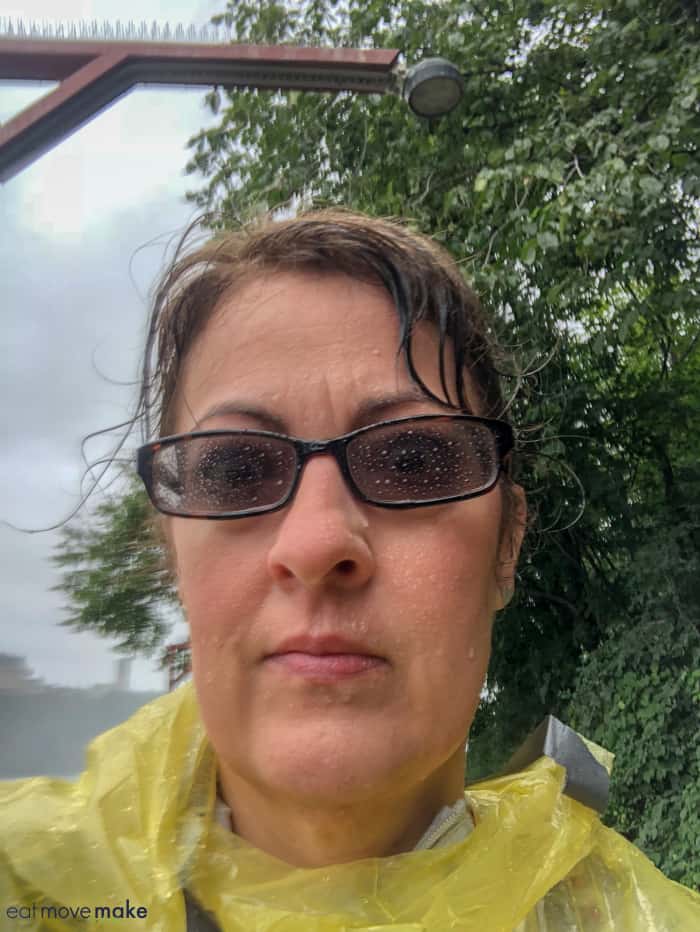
322, 537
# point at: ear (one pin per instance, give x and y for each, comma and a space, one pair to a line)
511, 541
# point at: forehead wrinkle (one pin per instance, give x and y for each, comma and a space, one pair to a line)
354, 365
254, 294
240, 307
375, 406
366, 411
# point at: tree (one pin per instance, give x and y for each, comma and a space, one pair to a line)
115, 573
567, 185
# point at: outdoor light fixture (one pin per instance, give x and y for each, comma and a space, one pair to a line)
94, 67
433, 87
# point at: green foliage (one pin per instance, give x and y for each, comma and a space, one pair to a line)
567, 184
639, 691
115, 574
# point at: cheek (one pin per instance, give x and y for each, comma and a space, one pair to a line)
453, 620
219, 583
452, 562
443, 640
448, 601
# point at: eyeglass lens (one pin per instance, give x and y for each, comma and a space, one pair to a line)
430, 460
390, 464
224, 473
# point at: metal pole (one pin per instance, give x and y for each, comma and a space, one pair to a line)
94, 74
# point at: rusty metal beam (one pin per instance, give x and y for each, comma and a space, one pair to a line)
94, 74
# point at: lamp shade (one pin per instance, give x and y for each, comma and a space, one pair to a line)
433, 87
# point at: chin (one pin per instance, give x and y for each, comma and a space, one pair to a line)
343, 770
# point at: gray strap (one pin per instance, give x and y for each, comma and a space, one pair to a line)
197, 919
586, 780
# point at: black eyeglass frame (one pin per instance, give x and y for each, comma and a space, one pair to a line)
305, 449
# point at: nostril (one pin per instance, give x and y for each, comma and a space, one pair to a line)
345, 567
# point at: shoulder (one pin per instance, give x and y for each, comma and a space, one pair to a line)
615, 886
567, 869
110, 829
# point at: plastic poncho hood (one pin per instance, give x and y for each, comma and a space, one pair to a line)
116, 849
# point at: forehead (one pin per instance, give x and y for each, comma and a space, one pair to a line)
285, 308
305, 339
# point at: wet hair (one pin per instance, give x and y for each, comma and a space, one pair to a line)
423, 280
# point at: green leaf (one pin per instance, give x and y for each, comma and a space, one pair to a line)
547, 240
528, 254
650, 185
648, 63
689, 99
481, 181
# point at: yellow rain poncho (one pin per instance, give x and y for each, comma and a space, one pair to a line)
116, 849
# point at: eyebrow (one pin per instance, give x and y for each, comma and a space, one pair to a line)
366, 412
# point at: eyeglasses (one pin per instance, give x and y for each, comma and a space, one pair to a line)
406, 463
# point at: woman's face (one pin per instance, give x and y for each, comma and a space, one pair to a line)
416, 587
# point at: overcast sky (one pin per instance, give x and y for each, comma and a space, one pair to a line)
84, 233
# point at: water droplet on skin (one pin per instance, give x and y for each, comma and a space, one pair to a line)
471, 653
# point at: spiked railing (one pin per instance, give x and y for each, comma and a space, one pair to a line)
114, 32
96, 70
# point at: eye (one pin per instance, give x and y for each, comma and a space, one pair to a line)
412, 452
232, 464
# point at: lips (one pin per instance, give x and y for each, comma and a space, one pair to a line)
321, 645
325, 659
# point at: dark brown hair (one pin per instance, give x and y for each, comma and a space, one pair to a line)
423, 280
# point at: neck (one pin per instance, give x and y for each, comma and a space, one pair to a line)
312, 833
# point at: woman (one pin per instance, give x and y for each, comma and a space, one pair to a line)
333, 478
